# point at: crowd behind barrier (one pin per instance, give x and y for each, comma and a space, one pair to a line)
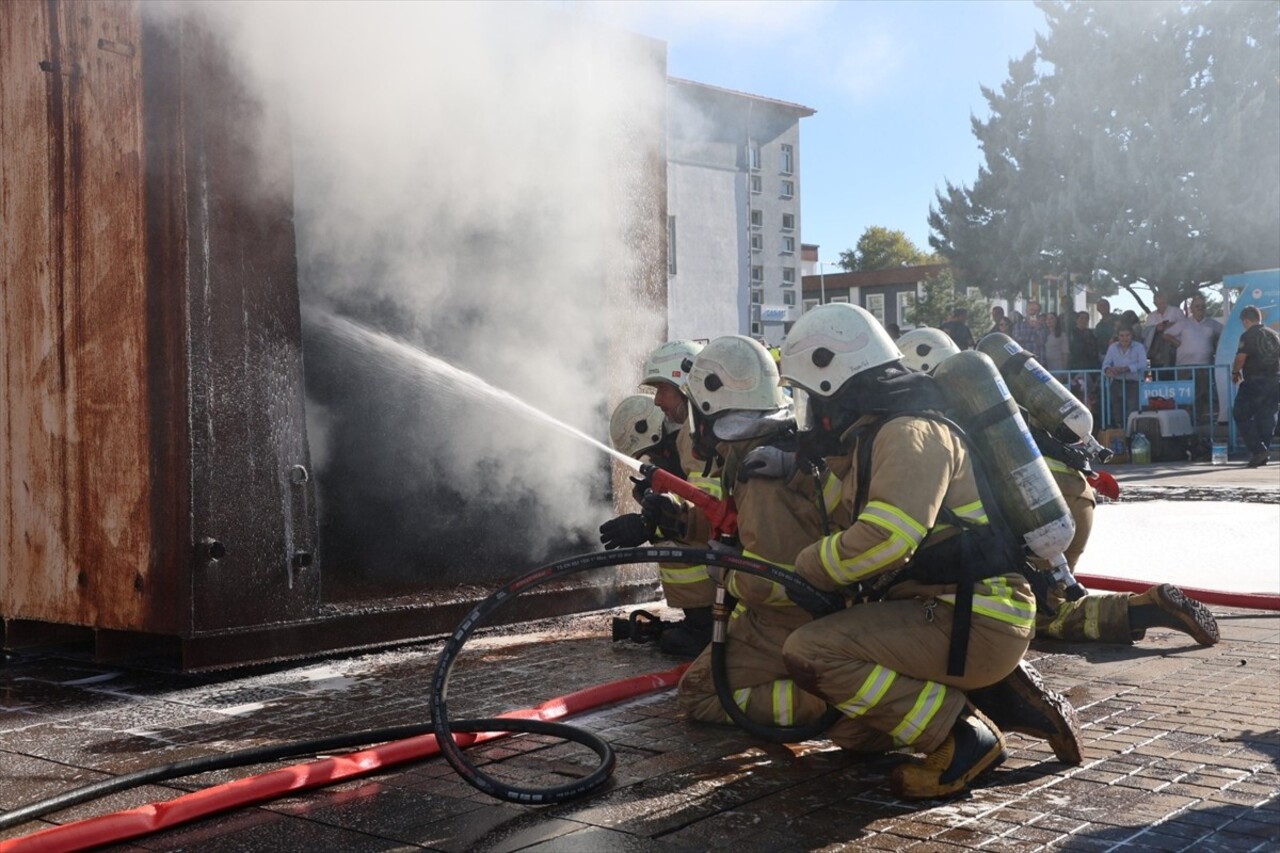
1196, 389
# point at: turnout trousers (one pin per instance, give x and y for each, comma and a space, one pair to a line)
884, 665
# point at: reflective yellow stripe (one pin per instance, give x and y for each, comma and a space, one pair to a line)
710, 485
870, 693
742, 697
895, 521
1091, 629
784, 702
683, 574
972, 512
1002, 608
845, 572
927, 705
831, 491
1060, 467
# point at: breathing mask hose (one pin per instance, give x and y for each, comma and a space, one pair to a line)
442, 728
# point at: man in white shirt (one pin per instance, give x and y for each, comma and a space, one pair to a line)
1159, 349
1125, 365
1196, 338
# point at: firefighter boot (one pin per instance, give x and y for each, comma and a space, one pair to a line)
688, 637
1166, 606
1020, 702
974, 746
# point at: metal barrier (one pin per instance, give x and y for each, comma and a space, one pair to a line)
1205, 391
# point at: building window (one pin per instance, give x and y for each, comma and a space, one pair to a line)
905, 300
788, 189
671, 245
753, 155
757, 273
788, 159
757, 218
788, 245
788, 297
757, 185
756, 328
875, 304
757, 242
757, 296
788, 275
810, 303
788, 222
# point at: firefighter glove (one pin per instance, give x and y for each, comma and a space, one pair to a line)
640, 486
625, 531
770, 462
662, 513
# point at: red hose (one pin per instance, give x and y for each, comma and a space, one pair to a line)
1248, 600
153, 817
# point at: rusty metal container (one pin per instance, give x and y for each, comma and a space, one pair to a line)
154, 461
156, 492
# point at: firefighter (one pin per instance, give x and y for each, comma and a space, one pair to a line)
1098, 617
908, 485
742, 416
686, 587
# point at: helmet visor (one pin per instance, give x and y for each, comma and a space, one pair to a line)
805, 409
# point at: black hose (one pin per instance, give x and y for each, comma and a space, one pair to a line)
774, 734
440, 725
800, 590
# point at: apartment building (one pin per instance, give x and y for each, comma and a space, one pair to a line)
733, 213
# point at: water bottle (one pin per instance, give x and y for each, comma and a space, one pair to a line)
1140, 449
1219, 453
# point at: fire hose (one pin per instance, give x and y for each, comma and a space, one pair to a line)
136, 822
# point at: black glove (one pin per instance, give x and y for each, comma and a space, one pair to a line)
770, 462
639, 486
662, 513
625, 531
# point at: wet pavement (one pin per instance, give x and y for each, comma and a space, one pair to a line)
1182, 746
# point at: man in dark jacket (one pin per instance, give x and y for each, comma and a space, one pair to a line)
1257, 371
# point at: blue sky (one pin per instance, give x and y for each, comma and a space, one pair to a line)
893, 83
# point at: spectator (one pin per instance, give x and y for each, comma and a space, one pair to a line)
1057, 347
1124, 366
1105, 332
1032, 332
894, 331
1004, 326
1196, 338
1129, 320
997, 314
957, 326
1162, 351
1084, 357
1257, 370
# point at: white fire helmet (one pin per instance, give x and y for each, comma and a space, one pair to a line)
925, 349
668, 363
734, 373
636, 425
831, 343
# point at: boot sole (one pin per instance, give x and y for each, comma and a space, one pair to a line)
1059, 725
901, 783
1203, 627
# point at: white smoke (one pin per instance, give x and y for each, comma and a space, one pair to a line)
490, 174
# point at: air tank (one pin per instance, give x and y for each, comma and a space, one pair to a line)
1024, 488
1046, 399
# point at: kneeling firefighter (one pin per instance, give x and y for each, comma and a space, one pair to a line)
742, 417
686, 587
918, 552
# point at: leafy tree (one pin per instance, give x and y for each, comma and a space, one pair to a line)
881, 248
1138, 146
939, 293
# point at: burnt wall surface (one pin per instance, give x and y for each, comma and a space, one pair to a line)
150, 334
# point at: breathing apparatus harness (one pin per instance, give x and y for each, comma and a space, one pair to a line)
979, 550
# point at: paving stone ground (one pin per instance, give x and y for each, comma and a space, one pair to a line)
1182, 753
